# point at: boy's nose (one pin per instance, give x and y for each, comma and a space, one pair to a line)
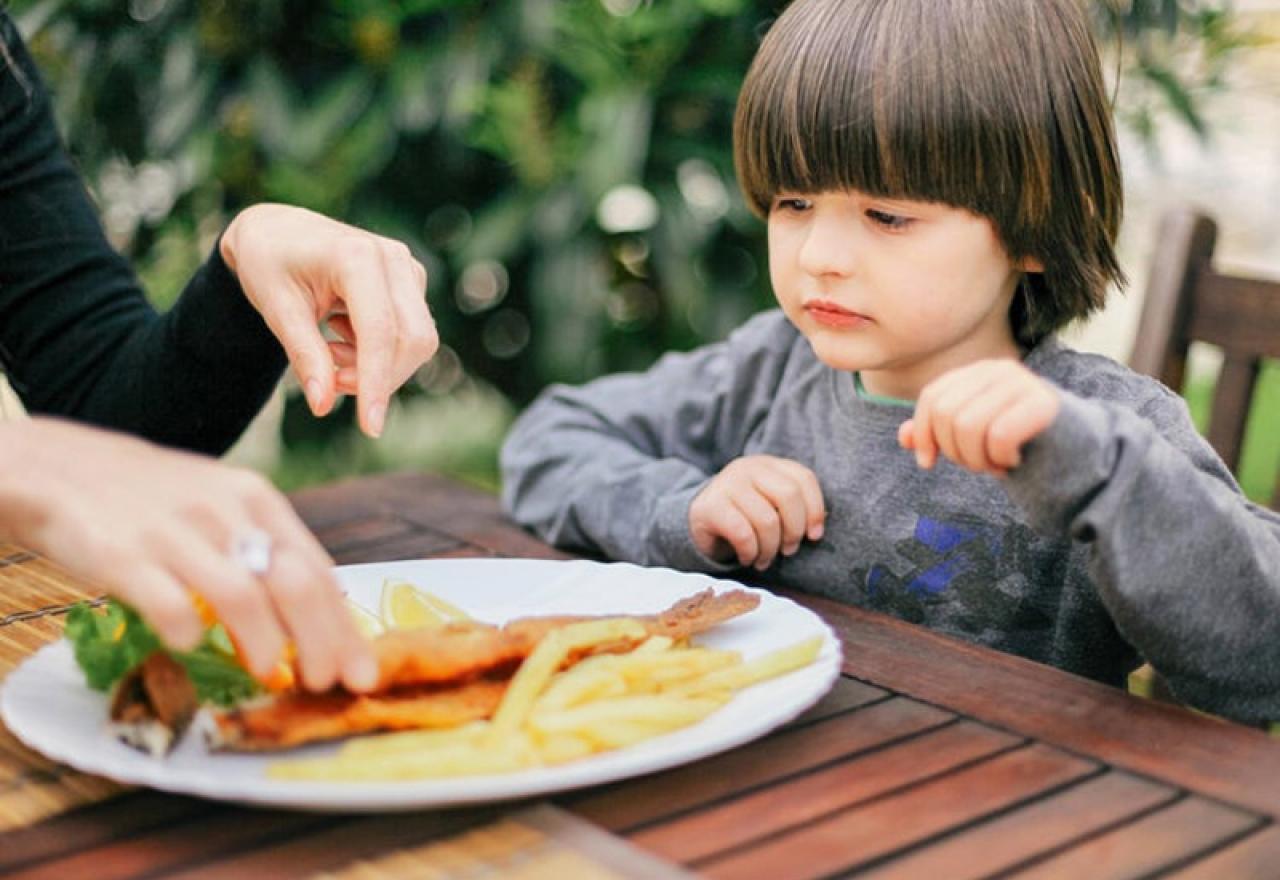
828, 247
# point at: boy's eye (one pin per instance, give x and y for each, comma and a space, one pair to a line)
791, 203
887, 220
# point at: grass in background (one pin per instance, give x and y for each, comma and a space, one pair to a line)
1260, 458
457, 435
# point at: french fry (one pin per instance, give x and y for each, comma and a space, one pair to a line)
655, 645
581, 685
608, 735
646, 674
458, 759
414, 740
660, 711
642, 672
562, 748
536, 671
735, 678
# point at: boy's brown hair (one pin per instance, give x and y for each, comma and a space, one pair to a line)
994, 106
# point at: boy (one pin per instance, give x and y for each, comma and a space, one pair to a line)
942, 192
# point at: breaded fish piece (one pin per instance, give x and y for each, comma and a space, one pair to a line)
293, 719
436, 678
469, 649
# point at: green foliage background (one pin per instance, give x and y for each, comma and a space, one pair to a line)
561, 167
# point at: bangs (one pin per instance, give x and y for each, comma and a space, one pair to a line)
997, 107
895, 99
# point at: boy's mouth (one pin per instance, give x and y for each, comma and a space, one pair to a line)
834, 315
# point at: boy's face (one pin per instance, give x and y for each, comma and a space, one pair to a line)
901, 291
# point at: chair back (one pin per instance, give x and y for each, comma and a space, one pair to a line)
1187, 300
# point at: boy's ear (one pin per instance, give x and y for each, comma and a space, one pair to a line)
1029, 264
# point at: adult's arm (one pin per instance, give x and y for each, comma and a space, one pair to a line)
77, 335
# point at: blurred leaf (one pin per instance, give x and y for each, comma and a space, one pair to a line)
1178, 96
320, 121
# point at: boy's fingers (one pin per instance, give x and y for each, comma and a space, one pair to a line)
733, 527
783, 491
973, 424
923, 442
948, 406
907, 435
765, 522
814, 504
1017, 425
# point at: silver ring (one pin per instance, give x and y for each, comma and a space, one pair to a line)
252, 549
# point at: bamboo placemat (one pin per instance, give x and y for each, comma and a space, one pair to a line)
34, 597
538, 843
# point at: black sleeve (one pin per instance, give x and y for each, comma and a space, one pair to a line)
77, 336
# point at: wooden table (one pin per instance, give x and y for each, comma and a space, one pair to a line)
931, 758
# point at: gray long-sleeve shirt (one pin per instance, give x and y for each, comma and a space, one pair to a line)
1121, 536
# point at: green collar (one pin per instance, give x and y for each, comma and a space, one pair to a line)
866, 395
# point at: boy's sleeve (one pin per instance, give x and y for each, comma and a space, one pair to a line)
612, 466
1187, 567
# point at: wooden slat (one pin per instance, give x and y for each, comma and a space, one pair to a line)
863, 834
96, 825
1255, 857
1004, 842
39, 795
173, 846
328, 848
1202, 754
1231, 399
363, 532
417, 544
346, 501
1158, 841
1241, 315
429, 500
845, 695
1186, 241
776, 757
809, 797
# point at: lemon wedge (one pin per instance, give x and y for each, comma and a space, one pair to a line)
368, 623
404, 606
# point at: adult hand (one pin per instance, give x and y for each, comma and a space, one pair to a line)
153, 526
755, 508
299, 268
980, 416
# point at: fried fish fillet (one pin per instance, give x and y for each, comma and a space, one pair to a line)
293, 719
435, 678
468, 649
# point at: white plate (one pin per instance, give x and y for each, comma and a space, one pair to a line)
48, 706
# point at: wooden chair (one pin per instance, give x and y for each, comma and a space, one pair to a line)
1187, 300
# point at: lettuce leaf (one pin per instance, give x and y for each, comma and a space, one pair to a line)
111, 641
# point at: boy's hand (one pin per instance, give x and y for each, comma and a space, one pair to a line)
754, 508
980, 415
